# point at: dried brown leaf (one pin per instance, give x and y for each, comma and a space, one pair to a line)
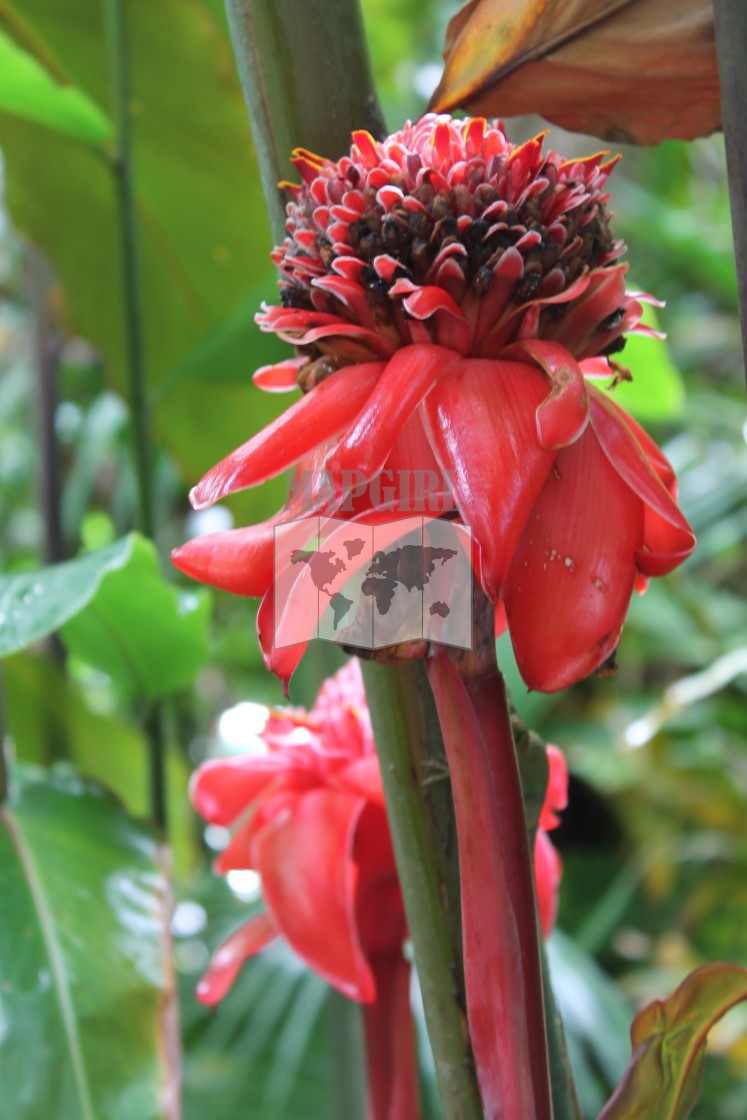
636, 71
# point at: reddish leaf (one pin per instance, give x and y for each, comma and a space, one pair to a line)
668, 1039
635, 71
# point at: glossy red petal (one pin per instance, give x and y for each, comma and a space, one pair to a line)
228, 959
324, 411
573, 570
564, 414
452, 328
407, 378
237, 560
284, 661
668, 538
309, 881
480, 420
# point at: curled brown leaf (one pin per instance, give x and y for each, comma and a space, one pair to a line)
630, 71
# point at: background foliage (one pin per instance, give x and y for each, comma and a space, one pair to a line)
653, 841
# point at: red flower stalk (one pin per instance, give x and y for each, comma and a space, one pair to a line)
449, 296
309, 816
502, 970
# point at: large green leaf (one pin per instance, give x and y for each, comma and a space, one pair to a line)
204, 236
35, 603
147, 635
84, 977
28, 90
116, 612
668, 1040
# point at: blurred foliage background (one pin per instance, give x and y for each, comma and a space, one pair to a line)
654, 841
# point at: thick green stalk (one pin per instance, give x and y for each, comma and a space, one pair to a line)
407, 737
731, 44
123, 171
307, 81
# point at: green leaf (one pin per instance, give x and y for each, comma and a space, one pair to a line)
203, 231
116, 612
28, 90
668, 1041
48, 720
34, 604
657, 391
147, 635
84, 977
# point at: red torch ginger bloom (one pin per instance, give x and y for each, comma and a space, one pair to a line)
449, 296
309, 816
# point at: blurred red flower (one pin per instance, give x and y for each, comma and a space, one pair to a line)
308, 814
450, 297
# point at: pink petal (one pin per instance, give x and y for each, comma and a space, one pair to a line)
668, 538
325, 410
223, 788
391, 1060
573, 570
309, 881
227, 961
362, 778
280, 378
401, 387
556, 795
481, 423
548, 871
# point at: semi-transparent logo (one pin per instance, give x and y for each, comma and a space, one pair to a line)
374, 581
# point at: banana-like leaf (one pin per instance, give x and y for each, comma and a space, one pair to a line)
204, 239
630, 71
86, 984
668, 1039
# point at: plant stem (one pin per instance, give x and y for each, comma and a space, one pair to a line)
307, 81
564, 1099
122, 168
123, 171
731, 46
501, 951
405, 732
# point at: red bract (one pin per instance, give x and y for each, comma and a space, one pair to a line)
309, 816
449, 296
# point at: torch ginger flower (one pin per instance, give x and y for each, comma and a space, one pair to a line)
450, 296
309, 816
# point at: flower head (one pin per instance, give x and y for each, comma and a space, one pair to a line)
309, 816
451, 298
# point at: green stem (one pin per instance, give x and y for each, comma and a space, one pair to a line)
564, 1100
307, 81
731, 45
122, 168
407, 737
123, 171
